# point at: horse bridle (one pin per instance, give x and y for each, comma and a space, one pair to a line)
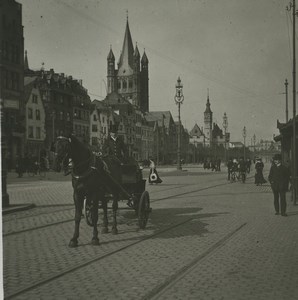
63, 160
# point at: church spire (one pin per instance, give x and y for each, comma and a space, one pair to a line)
126, 58
144, 58
111, 56
208, 110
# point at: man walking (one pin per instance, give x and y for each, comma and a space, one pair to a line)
279, 177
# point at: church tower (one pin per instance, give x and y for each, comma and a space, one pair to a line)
130, 80
144, 105
208, 123
111, 72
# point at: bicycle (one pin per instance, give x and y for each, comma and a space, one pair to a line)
242, 176
233, 176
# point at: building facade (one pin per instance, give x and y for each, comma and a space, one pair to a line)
35, 118
12, 80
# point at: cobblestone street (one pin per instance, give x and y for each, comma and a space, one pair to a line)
206, 239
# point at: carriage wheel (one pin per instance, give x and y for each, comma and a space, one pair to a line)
88, 212
144, 210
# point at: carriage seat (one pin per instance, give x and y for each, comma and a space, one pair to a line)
131, 172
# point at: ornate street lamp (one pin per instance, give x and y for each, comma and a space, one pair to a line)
53, 115
225, 126
179, 100
244, 136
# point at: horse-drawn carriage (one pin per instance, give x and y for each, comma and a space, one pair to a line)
132, 190
94, 185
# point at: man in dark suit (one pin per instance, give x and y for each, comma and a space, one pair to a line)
279, 177
114, 145
115, 153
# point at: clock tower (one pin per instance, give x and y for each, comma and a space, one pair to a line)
208, 123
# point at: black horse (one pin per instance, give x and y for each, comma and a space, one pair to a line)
90, 180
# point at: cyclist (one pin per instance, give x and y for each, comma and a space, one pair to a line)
242, 167
234, 169
229, 166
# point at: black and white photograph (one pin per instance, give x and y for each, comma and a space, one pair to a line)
149, 149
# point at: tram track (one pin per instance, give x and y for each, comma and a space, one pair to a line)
90, 261
156, 291
5, 235
172, 280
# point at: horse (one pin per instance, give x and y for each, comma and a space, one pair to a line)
90, 180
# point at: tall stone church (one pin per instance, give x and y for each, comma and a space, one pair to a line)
130, 78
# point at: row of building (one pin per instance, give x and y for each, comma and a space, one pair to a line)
39, 105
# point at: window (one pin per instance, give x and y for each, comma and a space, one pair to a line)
94, 117
30, 113
37, 112
30, 132
119, 85
130, 84
61, 115
34, 98
38, 132
94, 141
124, 84
94, 128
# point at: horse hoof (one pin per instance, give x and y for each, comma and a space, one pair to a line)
104, 230
95, 242
73, 244
114, 230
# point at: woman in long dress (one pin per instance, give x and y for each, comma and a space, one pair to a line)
153, 175
259, 178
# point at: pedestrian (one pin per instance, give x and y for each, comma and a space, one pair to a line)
242, 169
259, 177
20, 166
153, 175
218, 165
248, 165
230, 167
279, 177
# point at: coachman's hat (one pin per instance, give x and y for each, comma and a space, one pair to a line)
114, 128
277, 157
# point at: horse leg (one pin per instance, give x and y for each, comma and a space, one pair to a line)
78, 200
95, 240
115, 208
105, 228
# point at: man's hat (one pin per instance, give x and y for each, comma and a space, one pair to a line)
114, 128
277, 157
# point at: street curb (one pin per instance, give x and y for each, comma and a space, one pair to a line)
17, 207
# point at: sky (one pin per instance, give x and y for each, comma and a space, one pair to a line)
241, 50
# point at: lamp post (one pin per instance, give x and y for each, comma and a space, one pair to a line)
5, 196
53, 125
179, 100
244, 137
254, 139
225, 126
